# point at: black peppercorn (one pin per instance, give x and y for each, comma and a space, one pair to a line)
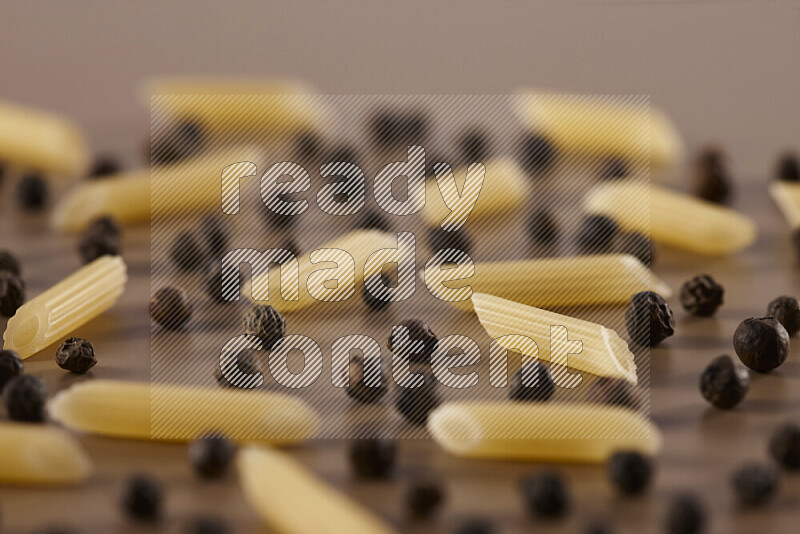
9, 262
24, 397
542, 228
531, 383
215, 234
712, 182
211, 455
649, 319
10, 366
685, 515
724, 383
373, 458
421, 340
215, 289
439, 239
391, 129
536, 153
761, 343
247, 364
630, 472
344, 154
12, 293
76, 355
416, 404
596, 235
179, 142
142, 499
206, 525
375, 292
307, 147
475, 525
787, 311
104, 166
615, 392
788, 168
359, 374
637, 245
702, 295
105, 224
187, 253
754, 484
94, 244
170, 308
423, 498
784, 446
613, 169
373, 220
475, 147
545, 495
266, 323
32, 192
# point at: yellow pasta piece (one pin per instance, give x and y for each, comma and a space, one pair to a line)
787, 196
140, 410
39, 454
34, 139
193, 185
238, 106
555, 432
291, 500
74, 301
603, 353
594, 125
673, 218
567, 281
504, 189
359, 244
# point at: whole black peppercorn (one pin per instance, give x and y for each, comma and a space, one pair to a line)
211, 455
416, 404
531, 383
9, 262
93, 244
391, 128
344, 154
637, 245
12, 293
187, 253
373, 458
424, 497
598, 528
761, 343
615, 392
421, 340
475, 525
438, 239
613, 169
375, 292
142, 499
215, 289
266, 323
106, 225
630, 472
32, 192
170, 308
545, 495
475, 147
179, 142
76, 355
784, 446
649, 319
596, 235
104, 166
542, 228
10, 366
712, 182
754, 484
536, 153
24, 397
724, 383
215, 234
247, 364
373, 220
685, 515
787, 311
206, 525
788, 168
307, 147
702, 295
360, 374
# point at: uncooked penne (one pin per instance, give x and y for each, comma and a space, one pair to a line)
39, 454
34, 139
504, 189
140, 410
603, 126
603, 353
566, 281
184, 187
291, 500
673, 218
359, 245
547, 431
240, 107
73, 302
787, 196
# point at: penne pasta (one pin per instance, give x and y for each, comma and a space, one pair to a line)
547, 431
140, 410
73, 302
39, 454
242, 107
673, 218
603, 353
190, 186
567, 281
598, 126
291, 500
33, 139
787, 196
